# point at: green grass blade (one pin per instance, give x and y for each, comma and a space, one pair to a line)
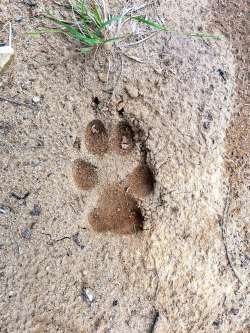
205, 35
75, 33
97, 15
197, 35
80, 7
111, 40
162, 28
83, 15
150, 23
112, 19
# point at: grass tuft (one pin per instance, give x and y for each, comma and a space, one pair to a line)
92, 25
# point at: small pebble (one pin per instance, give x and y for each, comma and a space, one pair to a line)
87, 295
206, 125
234, 311
18, 18
217, 323
36, 210
26, 233
115, 302
77, 143
132, 91
36, 99
120, 106
77, 241
102, 77
35, 163
6, 56
30, 3
4, 209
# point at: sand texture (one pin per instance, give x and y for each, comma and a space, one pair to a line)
137, 222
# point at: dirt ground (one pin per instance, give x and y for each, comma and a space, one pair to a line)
188, 104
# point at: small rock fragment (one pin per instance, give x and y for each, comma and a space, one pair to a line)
102, 77
35, 163
77, 143
115, 302
217, 323
234, 311
26, 233
36, 99
18, 18
30, 3
6, 55
4, 209
120, 106
87, 295
132, 91
36, 210
6, 52
77, 241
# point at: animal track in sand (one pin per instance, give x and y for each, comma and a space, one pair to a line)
117, 209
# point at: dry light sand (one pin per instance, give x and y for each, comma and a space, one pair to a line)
188, 103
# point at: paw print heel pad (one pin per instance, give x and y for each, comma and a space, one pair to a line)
117, 212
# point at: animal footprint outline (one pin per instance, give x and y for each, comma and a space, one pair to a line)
117, 208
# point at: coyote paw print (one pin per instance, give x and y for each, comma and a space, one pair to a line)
122, 178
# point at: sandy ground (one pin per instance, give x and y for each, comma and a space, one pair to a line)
188, 271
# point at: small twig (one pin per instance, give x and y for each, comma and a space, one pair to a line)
223, 235
74, 238
10, 35
140, 41
53, 241
158, 279
154, 322
108, 73
20, 197
141, 61
94, 58
16, 102
105, 10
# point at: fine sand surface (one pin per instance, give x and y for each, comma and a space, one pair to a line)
188, 106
